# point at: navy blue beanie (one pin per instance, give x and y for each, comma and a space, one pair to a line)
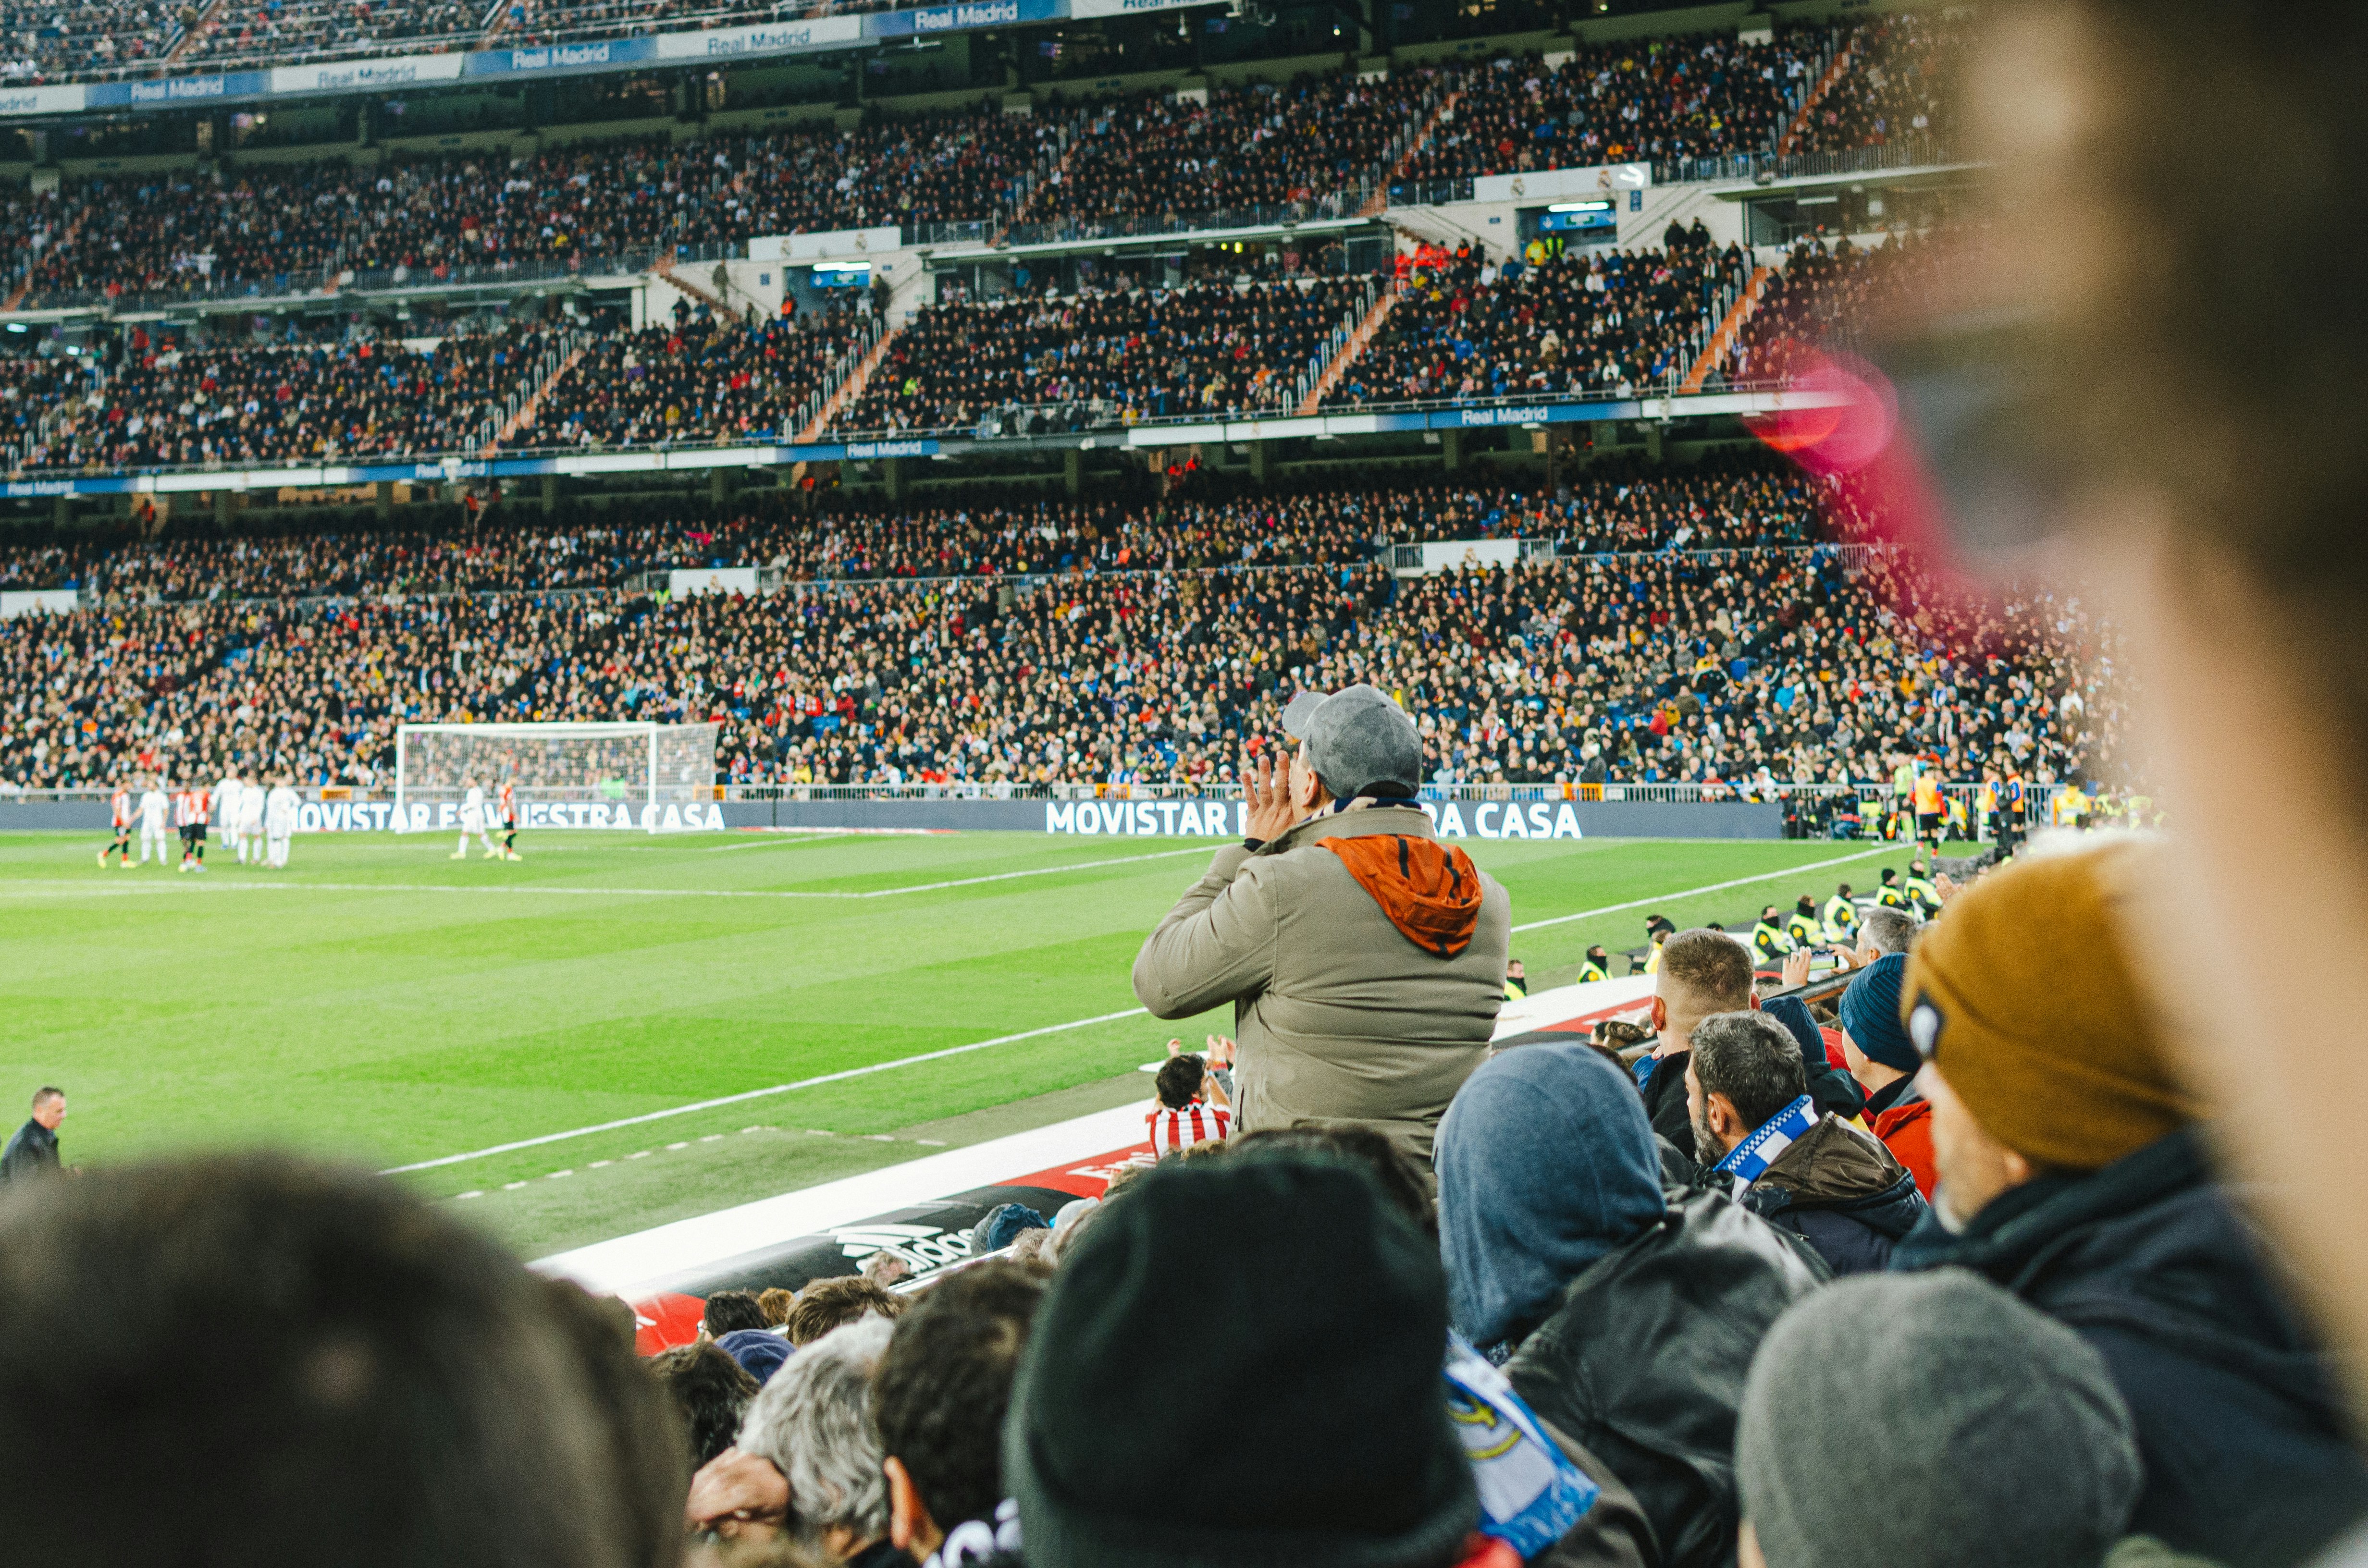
1004, 1224
759, 1351
1870, 1013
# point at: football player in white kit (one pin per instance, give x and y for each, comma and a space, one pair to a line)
246, 827
472, 819
226, 804
279, 819
155, 816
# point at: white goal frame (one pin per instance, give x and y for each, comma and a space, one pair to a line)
652, 802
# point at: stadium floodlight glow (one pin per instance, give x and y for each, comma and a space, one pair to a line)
644, 777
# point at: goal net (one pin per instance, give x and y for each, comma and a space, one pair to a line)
653, 777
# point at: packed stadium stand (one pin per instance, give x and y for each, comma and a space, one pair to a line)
1079, 642
436, 321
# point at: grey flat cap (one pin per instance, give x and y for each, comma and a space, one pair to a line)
1355, 739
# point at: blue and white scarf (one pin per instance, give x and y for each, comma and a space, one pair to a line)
1749, 1160
1531, 1494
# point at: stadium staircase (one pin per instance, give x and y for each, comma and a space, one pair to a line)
191, 33
1350, 350
664, 266
1724, 336
1378, 203
523, 416
1058, 175
850, 389
1834, 73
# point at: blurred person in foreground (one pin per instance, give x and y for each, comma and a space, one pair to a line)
1363, 1436
1991, 1436
1624, 1316
1884, 1062
1365, 960
2199, 456
2072, 1172
328, 1369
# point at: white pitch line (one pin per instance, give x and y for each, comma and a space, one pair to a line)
761, 1094
243, 884
1713, 887
1008, 1039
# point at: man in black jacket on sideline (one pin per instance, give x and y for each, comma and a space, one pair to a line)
1756, 1128
35, 1146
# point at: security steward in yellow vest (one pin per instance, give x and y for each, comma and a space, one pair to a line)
1923, 894
1841, 918
1596, 966
1767, 938
1891, 895
1801, 925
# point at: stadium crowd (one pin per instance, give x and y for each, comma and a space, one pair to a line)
1825, 298
1627, 102
169, 401
1901, 84
240, 32
700, 380
280, 228
1021, 646
1102, 358
1573, 323
1258, 145
1613, 506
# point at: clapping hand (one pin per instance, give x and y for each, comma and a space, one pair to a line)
1271, 814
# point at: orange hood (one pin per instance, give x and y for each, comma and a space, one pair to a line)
1429, 891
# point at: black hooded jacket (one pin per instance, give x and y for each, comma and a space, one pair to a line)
1643, 1364
2248, 1457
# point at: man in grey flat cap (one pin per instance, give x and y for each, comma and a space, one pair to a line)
1365, 960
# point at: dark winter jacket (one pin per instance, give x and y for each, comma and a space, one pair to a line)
2247, 1454
1835, 1093
34, 1149
1840, 1192
1643, 1364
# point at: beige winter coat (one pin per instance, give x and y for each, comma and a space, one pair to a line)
1338, 1014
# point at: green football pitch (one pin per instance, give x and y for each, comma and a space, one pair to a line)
378, 1002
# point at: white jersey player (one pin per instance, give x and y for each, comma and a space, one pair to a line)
247, 828
279, 819
226, 812
156, 817
472, 819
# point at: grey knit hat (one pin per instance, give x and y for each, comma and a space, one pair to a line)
1933, 1419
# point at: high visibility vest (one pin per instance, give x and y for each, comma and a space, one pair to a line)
1841, 919
1921, 892
1653, 960
1770, 940
1891, 896
1589, 971
1513, 992
1802, 928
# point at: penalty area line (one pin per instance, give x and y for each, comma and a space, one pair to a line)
1707, 888
718, 1103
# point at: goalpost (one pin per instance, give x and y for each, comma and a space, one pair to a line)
649, 778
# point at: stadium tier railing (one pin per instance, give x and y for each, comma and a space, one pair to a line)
1910, 153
